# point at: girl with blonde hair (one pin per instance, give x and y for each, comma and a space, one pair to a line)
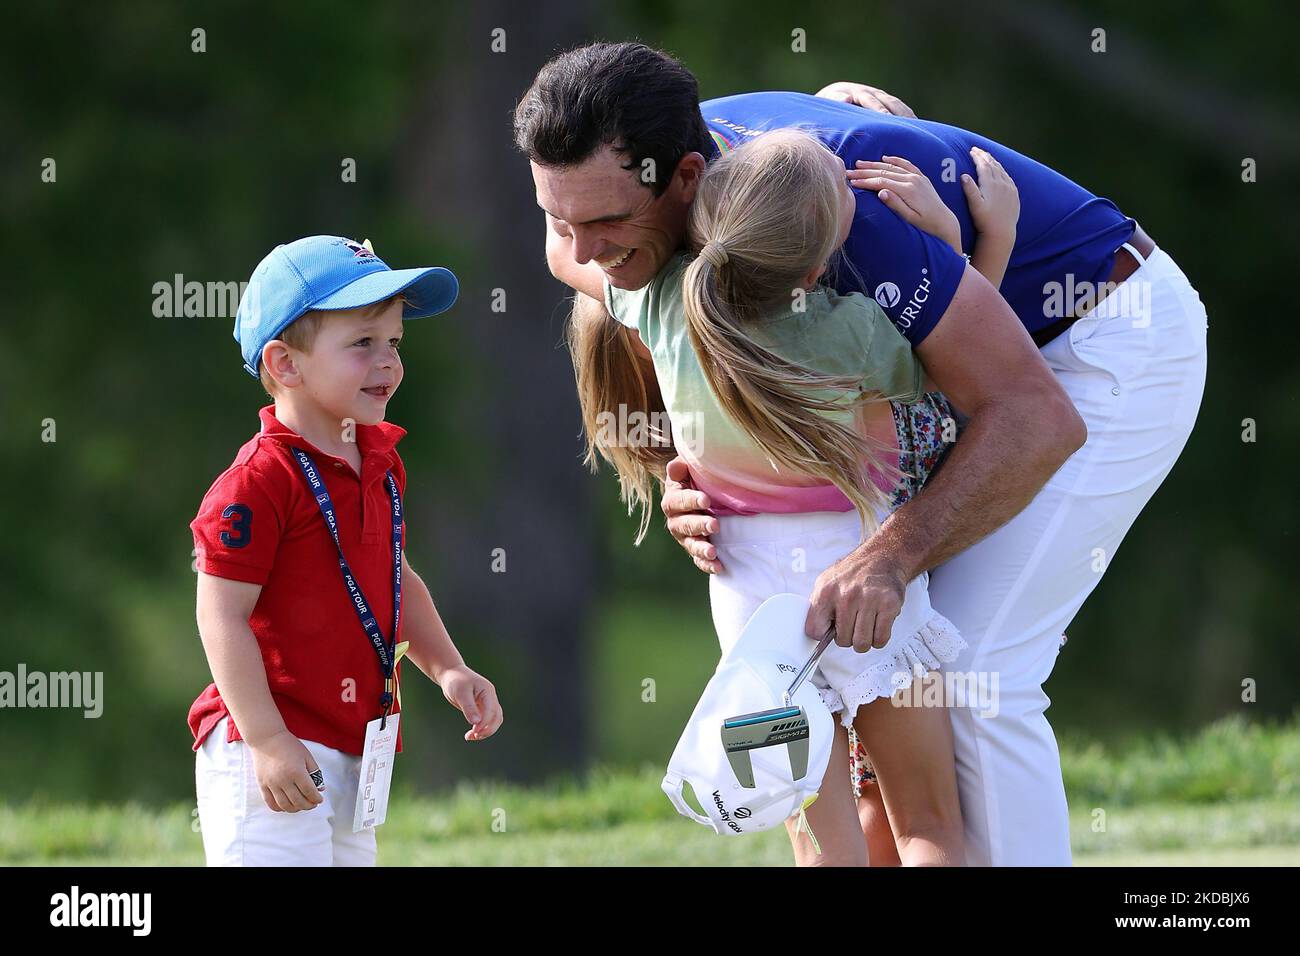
806, 419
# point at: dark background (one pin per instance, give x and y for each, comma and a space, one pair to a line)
171, 161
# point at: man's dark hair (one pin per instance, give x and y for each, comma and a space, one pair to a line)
641, 101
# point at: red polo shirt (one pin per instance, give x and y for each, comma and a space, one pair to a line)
260, 523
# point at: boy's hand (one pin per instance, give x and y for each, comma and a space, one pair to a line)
909, 193
475, 697
283, 766
994, 200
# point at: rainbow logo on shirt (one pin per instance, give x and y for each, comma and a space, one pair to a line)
722, 144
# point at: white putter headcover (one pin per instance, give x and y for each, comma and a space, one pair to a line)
755, 789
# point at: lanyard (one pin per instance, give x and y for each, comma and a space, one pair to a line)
383, 649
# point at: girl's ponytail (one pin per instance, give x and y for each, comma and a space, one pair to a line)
766, 216
771, 399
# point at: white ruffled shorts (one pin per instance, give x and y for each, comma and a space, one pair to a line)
772, 554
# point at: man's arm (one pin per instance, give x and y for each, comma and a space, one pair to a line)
1022, 428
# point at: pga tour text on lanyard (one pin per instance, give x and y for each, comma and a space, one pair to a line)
384, 650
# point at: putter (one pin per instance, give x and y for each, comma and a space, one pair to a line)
770, 728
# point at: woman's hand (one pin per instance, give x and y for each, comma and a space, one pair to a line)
994, 200
909, 193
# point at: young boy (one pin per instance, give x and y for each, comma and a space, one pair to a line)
304, 594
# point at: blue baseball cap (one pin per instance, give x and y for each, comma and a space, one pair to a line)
329, 272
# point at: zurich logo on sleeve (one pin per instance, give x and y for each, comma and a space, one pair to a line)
887, 295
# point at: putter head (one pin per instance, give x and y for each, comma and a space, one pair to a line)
766, 728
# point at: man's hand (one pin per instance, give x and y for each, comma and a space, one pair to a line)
688, 520
1022, 427
868, 97
860, 599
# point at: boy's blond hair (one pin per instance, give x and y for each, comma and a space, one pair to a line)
301, 334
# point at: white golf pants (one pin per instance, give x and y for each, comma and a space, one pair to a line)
1135, 368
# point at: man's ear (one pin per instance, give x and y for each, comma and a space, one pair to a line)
686, 177
280, 365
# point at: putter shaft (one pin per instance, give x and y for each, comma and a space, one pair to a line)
809, 664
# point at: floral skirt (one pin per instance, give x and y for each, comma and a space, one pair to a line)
860, 771
926, 431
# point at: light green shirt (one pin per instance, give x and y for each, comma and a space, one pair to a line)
840, 335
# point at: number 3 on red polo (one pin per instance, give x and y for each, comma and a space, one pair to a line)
241, 526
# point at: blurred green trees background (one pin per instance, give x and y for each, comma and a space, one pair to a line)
170, 161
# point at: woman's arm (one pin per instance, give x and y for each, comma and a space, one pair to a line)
868, 97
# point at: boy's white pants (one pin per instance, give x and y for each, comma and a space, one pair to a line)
240, 830
1135, 368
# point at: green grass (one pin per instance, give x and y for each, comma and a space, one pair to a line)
1231, 759
424, 833
1227, 796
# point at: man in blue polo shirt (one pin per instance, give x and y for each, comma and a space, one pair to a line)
1025, 515
1063, 228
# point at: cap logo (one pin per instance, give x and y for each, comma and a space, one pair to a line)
358, 250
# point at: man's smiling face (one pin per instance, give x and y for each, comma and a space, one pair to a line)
613, 218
